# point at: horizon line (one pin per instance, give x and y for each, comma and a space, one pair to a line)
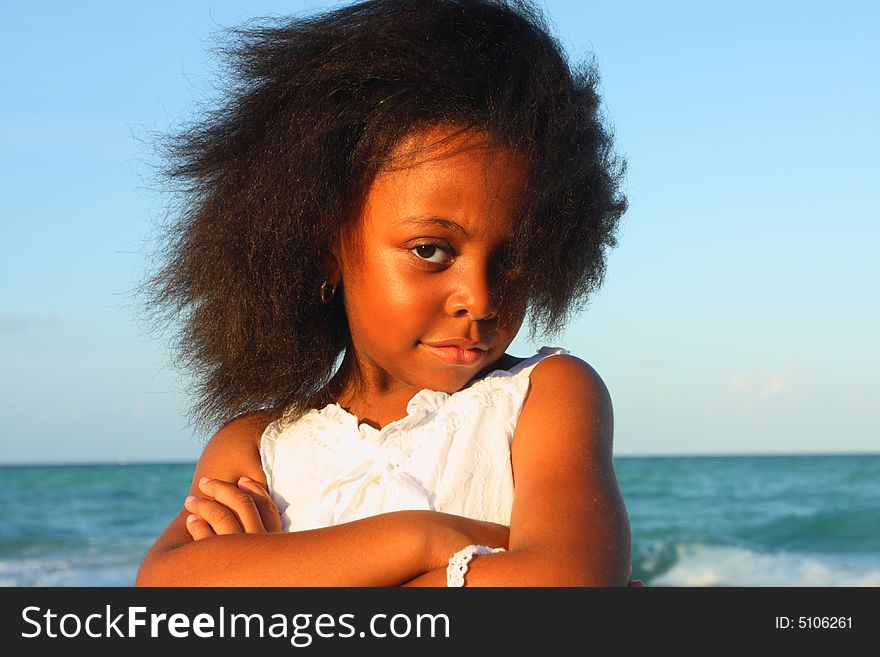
126, 462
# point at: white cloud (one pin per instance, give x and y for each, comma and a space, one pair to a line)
760, 386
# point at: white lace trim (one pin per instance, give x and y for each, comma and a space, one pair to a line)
460, 561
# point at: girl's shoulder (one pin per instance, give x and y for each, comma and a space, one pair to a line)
563, 367
244, 430
234, 450
552, 384
567, 388
550, 367
565, 370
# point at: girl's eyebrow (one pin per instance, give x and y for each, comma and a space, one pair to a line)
443, 222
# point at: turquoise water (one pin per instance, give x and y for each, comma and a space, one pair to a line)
755, 521
697, 521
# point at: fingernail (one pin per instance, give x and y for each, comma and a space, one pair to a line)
204, 480
190, 499
191, 518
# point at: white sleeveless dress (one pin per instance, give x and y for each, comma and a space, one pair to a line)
450, 453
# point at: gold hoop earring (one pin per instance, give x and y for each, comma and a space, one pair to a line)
327, 292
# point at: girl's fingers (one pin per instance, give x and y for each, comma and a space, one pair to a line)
198, 528
236, 501
218, 517
264, 503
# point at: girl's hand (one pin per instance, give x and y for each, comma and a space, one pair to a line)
227, 508
483, 532
455, 532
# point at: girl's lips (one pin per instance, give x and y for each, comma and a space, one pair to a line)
456, 355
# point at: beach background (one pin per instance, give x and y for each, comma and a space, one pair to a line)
697, 521
736, 329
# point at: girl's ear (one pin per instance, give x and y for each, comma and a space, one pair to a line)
330, 267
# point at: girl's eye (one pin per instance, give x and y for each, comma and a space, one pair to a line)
432, 253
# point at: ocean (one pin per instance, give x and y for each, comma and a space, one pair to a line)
732, 521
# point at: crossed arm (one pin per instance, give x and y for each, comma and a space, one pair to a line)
568, 523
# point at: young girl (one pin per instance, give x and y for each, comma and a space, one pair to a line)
391, 190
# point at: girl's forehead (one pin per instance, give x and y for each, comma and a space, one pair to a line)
456, 175
466, 181
449, 161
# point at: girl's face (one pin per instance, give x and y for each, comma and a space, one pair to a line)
419, 271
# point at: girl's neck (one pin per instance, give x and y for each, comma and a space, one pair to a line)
378, 403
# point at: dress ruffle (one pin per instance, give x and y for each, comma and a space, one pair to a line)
450, 452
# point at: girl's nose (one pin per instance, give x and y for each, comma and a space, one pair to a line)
472, 296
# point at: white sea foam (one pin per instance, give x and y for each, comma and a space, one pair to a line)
710, 565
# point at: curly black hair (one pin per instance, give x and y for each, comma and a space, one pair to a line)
314, 106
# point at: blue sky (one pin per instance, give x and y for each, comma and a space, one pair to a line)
739, 313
